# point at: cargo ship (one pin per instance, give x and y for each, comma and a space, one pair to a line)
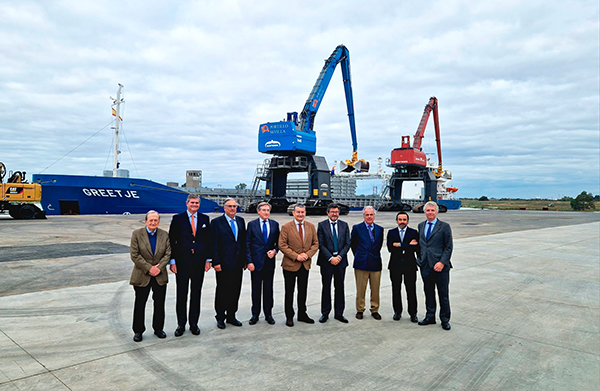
113, 193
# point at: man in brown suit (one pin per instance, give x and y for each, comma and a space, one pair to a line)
150, 252
298, 242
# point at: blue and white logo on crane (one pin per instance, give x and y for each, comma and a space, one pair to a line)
272, 144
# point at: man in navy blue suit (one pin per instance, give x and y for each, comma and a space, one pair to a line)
189, 235
229, 262
366, 241
262, 237
435, 240
403, 245
334, 244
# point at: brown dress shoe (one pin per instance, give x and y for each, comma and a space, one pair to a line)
376, 315
359, 315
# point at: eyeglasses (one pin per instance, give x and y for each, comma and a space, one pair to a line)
231, 206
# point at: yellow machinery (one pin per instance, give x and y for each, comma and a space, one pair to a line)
21, 199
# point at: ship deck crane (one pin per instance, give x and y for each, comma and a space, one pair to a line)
293, 142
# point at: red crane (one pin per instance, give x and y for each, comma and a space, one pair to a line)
414, 156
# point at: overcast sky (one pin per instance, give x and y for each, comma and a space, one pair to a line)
517, 83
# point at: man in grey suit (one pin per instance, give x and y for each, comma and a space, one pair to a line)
435, 239
334, 244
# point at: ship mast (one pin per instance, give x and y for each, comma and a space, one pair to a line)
116, 106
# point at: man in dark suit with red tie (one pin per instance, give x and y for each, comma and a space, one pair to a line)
229, 262
262, 238
189, 235
334, 244
403, 245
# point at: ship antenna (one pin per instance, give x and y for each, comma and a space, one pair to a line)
116, 106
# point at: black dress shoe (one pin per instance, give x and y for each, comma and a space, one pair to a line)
376, 315
341, 318
179, 331
234, 322
397, 316
359, 315
306, 319
323, 318
160, 334
289, 323
221, 324
414, 319
426, 321
446, 325
270, 319
195, 330
253, 320
137, 337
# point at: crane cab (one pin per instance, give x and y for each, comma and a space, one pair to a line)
284, 137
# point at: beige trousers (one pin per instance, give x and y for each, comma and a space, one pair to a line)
374, 279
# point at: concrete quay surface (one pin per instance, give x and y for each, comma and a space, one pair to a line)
524, 291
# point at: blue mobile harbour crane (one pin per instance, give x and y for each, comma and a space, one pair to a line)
293, 144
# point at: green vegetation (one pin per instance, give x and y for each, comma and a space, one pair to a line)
564, 204
583, 201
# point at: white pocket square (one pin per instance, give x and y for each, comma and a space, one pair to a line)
203, 225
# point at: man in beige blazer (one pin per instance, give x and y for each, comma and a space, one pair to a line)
298, 242
150, 252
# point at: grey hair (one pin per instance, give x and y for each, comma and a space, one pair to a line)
192, 197
369, 207
299, 205
432, 203
151, 212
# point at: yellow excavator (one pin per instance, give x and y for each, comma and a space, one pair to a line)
19, 198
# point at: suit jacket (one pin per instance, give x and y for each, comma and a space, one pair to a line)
404, 256
367, 254
256, 248
140, 251
186, 248
228, 252
291, 245
326, 243
439, 246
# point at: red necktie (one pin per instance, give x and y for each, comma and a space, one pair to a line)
301, 233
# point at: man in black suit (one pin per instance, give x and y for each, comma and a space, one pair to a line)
189, 235
334, 244
435, 240
261, 247
229, 261
403, 245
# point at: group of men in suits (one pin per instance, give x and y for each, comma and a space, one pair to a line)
194, 243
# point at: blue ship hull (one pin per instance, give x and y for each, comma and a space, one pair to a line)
79, 194
450, 204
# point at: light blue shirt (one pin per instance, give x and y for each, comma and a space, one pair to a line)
432, 225
268, 226
229, 220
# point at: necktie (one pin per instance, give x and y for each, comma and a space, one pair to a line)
371, 233
402, 235
335, 238
265, 233
193, 226
428, 230
300, 231
232, 223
